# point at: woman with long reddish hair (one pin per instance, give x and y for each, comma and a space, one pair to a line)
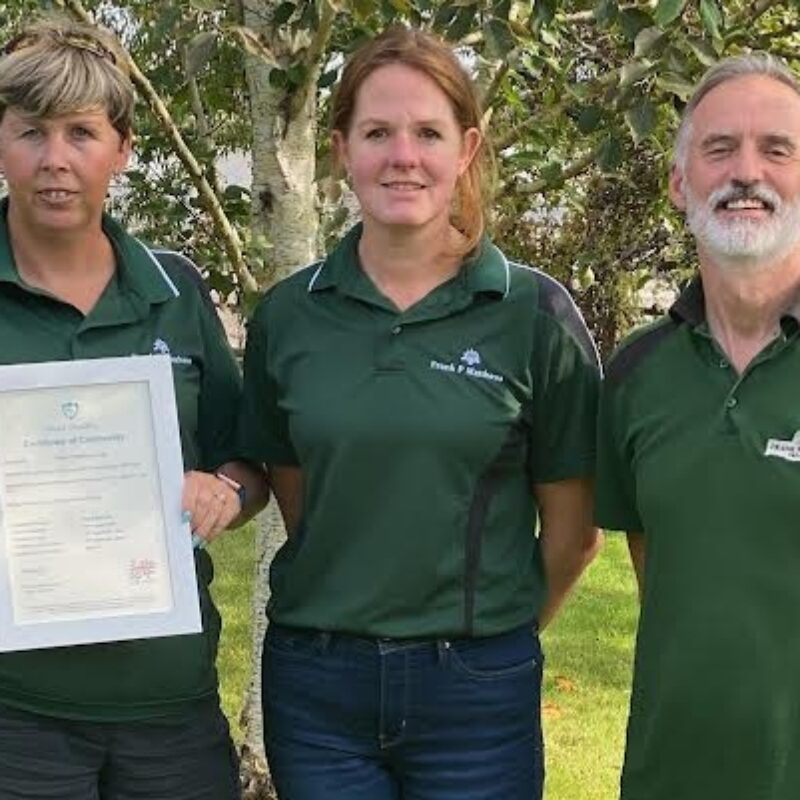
420, 403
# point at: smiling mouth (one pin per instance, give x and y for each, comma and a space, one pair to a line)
403, 186
55, 195
745, 204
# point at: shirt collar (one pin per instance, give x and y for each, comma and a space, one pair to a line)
485, 270
690, 307
137, 268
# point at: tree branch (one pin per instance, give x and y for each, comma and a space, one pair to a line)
589, 16
605, 80
229, 235
313, 54
577, 167
497, 80
758, 9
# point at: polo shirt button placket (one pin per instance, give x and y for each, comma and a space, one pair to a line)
731, 402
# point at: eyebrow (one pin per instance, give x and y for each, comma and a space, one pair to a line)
782, 140
715, 139
370, 121
729, 140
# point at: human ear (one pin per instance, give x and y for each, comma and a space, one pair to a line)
677, 192
470, 142
124, 154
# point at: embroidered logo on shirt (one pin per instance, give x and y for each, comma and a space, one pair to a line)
160, 347
468, 365
471, 357
788, 451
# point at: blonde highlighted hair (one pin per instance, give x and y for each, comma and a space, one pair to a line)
58, 67
437, 61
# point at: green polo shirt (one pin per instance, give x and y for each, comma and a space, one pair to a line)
420, 435
706, 462
151, 305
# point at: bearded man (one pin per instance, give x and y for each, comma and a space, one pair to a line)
699, 461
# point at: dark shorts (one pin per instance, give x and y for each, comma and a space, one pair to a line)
185, 757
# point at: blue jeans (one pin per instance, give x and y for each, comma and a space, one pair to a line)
349, 718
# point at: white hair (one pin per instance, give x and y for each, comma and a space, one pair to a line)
726, 70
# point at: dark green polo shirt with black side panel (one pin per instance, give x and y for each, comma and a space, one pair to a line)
151, 305
707, 464
420, 434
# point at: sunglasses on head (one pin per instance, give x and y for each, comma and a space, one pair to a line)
77, 40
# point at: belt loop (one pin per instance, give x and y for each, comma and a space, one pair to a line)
325, 641
442, 648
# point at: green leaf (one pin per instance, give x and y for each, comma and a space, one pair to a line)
633, 72
609, 154
498, 37
676, 60
339, 217
703, 51
668, 11
461, 24
633, 20
363, 9
711, 17
283, 13
206, 5
605, 12
641, 119
552, 173
199, 52
543, 12
647, 41
297, 74
327, 78
501, 9
443, 17
235, 192
675, 84
588, 118
278, 78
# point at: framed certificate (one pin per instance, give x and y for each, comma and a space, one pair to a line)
92, 544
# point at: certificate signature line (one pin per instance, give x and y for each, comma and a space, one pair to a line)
74, 481
21, 473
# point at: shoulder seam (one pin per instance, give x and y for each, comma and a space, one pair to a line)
152, 254
631, 353
543, 277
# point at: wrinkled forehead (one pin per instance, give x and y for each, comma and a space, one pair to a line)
751, 106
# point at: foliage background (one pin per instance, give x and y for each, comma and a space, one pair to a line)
582, 98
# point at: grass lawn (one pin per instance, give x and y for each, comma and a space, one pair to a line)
587, 672
588, 658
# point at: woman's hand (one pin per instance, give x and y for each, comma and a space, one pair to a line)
211, 503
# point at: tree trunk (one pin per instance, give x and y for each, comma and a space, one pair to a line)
284, 213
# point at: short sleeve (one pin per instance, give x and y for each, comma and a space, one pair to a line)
564, 405
220, 393
615, 488
263, 431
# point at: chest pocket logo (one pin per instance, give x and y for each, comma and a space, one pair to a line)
788, 451
160, 347
468, 364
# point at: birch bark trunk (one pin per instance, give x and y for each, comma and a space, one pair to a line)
284, 212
